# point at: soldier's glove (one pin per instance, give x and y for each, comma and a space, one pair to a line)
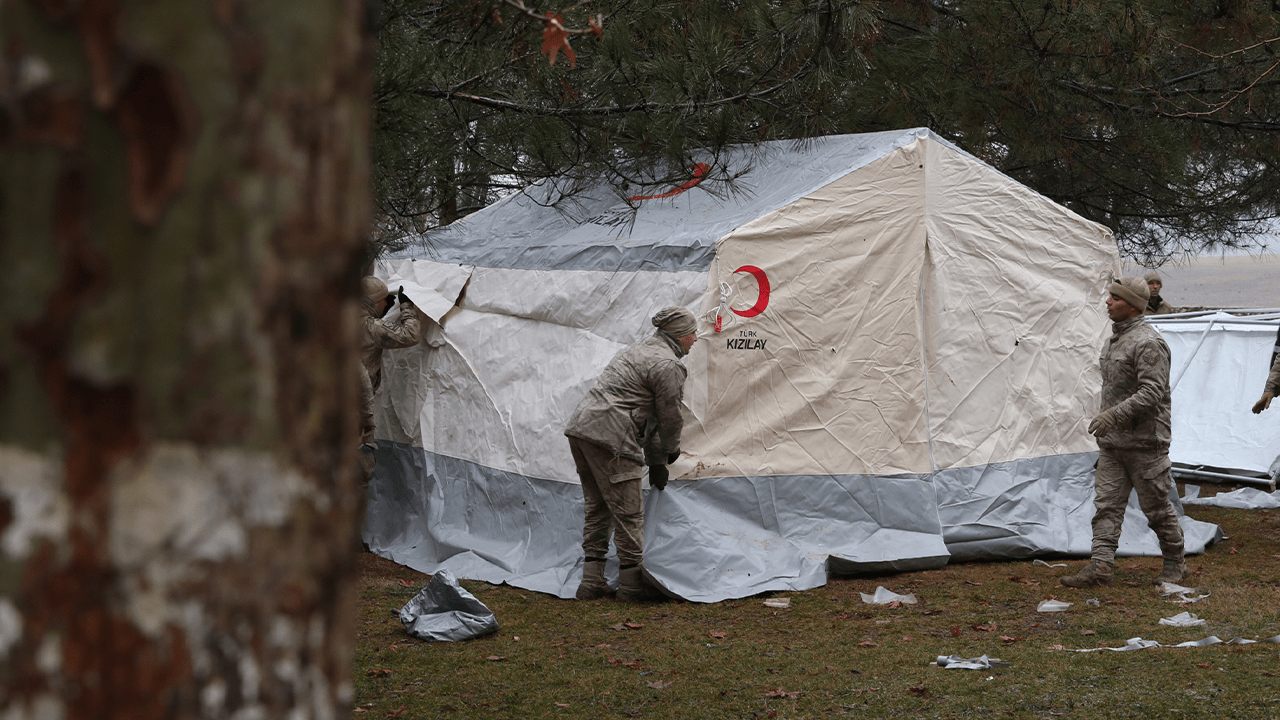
404, 299
658, 476
672, 457
1263, 403
1102, 424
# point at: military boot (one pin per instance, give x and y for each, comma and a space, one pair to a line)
1094, 574
593, 585
633, 587
1174, 571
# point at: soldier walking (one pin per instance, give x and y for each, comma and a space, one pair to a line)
1133, 439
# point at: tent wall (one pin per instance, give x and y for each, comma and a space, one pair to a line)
1220, 368
1014, 317
829, 379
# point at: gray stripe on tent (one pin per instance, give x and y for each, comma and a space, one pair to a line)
722, 538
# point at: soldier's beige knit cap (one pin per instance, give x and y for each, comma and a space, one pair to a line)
1153, 276
373, 288
675, 321
1132, 290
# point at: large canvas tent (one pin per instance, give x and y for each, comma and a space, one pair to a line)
905, 363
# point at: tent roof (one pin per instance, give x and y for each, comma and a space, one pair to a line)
596, 230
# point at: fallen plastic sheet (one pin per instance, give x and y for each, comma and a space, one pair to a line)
1184, 594
884, 597
1140, 644
1052, 606
955, 662
1093, 602
1243, 499
1041, 562
778, 602
1184, 619
445, 611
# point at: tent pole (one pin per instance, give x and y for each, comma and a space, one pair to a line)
1226, 478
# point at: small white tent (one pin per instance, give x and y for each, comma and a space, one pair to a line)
1219, 365
904, 367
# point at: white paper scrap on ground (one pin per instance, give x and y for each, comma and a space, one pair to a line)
884, 597
979, 663
1140, 644
1041, 562
1136, 643
1183, 594
1052, 606
1183, 619
1093, 602
778, 602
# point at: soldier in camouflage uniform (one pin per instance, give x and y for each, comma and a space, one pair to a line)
1133, 439
1270, 389
629, 419
376, 335
1156, 305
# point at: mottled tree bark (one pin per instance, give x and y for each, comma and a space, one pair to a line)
183, 201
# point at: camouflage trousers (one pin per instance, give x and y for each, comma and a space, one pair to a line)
1147, 472
611, 501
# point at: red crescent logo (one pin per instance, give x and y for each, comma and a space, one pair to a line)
763, 281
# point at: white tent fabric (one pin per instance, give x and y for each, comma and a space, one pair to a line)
1219, 366
905, 363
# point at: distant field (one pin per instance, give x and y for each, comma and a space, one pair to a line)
1236, 281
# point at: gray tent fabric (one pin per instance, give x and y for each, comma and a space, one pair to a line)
727, 538
445, 611
898, 358
657, 235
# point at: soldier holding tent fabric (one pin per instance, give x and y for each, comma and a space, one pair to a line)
629, 419
378, 334
1133, 439
1270, 389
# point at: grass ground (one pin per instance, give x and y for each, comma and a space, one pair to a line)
831, 655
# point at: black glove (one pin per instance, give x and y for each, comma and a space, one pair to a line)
672, 457
658, 476
404, 299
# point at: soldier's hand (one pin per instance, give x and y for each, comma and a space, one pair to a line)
658, 476
404, 299
1103, 423
672, 457
1263, 403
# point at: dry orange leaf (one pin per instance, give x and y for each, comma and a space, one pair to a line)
780, 693
555, 38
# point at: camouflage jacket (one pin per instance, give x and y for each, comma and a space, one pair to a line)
1273, 380
634, 407
1135, 386
1161, 307
377, 335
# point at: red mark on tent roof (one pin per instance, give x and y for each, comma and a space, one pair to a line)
699, 173
763, 281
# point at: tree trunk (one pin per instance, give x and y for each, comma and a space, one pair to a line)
183, 200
